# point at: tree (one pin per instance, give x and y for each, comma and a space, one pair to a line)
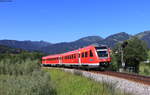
135, 52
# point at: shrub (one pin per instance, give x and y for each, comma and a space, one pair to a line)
25, 67
36, 84
21, 75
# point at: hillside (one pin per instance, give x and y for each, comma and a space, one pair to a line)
113, 39
67, 46
6, 49
144, 36
26, 45
62, 47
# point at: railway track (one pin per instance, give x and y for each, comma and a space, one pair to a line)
131, 77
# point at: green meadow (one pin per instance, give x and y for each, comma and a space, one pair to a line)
70, 84
145, 67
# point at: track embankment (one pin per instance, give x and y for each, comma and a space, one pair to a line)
138, 85
132, 77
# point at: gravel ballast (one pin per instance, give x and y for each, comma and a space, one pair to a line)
118, 83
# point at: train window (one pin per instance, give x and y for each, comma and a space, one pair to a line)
70, 56
86, 54
83, 54
74, 56
102, 47
91, 54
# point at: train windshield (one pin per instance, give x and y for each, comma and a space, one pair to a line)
102, 52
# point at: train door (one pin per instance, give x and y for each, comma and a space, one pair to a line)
79, 58
60, 59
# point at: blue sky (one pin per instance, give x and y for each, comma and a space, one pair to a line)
68, 20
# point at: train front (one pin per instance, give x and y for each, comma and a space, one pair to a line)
103, 54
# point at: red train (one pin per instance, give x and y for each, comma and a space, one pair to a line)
90, 56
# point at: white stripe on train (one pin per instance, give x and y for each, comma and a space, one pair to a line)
91, 64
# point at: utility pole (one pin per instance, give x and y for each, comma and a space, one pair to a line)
122, 59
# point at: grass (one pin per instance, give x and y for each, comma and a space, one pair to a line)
70, 84
24, 77
149, 55
144, 69
35, 84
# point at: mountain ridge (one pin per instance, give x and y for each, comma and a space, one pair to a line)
62, 47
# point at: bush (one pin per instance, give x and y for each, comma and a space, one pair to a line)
25, 67
21, 75
36, 84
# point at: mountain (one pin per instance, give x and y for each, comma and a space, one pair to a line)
64, 47
68, 46
113, 39
26, 45
6, 49
144, 36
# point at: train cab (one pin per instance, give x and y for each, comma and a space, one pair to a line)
103, 54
